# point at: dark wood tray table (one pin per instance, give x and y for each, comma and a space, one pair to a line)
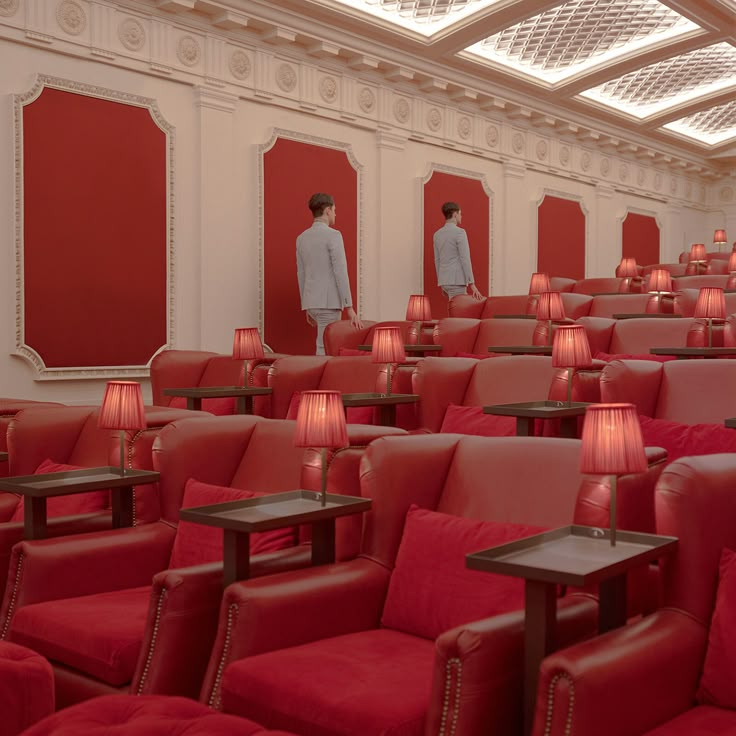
644, 315
36, 489
386, 404
240, 519
526, 411
243, 396
521, 349
684, 353
419, 350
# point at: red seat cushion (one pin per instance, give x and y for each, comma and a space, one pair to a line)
99, 634
79, 503
372, 683
687, 439
431, 590
354, 414
702, 721
219, 407
196, 544
472, 420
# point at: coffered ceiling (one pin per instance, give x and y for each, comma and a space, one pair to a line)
656, 71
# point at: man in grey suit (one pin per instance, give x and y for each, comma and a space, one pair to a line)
322, 270
452, 255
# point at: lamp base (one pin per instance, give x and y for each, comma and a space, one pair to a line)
612, 510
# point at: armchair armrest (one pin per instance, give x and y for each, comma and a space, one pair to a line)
479, 669
294, 373
293, 608
79, 565
652, 666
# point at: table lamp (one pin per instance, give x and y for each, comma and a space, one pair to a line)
660, 282
571, 350
122, 408
697, 256
539, 284
418, 310
388, 348
550, 308
247, 346
711, 305
320, 422
731, 283
719, 238
612, 445
628, 271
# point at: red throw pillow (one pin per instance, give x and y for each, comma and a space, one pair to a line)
354, 414
196, 544
717, 683
72, 505
687, 439
608, 357
219, 407
431, 590
472, 420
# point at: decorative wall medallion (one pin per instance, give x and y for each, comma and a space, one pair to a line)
188, 51
8, 7
239, 64
434, 119
658, 181
464, 127
367, 99
517, 142
641, 177
726, 194
401, 110
492, 136
605, 166
673, 185
286, 77
623, 172
132, 34
328, 89
585, 161
70, 16
564, 155
541, 150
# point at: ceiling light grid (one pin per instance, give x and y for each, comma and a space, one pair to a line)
713, 126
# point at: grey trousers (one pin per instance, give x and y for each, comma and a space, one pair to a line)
323, 317
451, 290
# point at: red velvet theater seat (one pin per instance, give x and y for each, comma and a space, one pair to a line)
670, 674
419, 660
87, 602
341, 338
8, 409
576, 305
145, 716
26, 688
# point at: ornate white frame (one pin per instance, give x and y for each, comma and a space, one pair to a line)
465, 174
25, 351
264, 148
621, 218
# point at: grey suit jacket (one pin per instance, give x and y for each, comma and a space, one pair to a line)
452, 256
322, 269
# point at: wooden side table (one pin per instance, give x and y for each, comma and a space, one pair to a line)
644, 315
243, 396
419, 351
527, 411
521, 349
386, 404
684, 353
572, 555
240, 519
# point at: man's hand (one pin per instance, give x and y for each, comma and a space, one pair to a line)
354, 321
475, 293
310, 320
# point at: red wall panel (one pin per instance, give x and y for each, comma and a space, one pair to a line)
640, 239
292, 172
473, 201
94, 231
561, 238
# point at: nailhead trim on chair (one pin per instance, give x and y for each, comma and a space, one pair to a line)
152, 645
214, 699
551, 703
130, 465
453, 671
11, 607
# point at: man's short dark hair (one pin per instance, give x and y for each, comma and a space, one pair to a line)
319, 202
449, 209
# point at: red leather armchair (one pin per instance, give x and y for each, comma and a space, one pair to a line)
87, 602
8, 409
643, 679
342, 336
375, 680
576, 305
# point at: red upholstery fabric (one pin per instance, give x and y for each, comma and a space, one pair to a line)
98, 634
354, 414
218, 407
197, 544
354, 351
152, 715
703, 721
472, 420
431, 591
717, 683
26, 688
371, 683
687, 439
608, 357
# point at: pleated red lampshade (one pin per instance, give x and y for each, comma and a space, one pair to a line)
419, 308
627, 268
660, 280
612, 441
539, 283
697, 252
570, 348
719, 237
732, 262
711, 303
247, 344
550, 306
388, 346
320, 421
122, 406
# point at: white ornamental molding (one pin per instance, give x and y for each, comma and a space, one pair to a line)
286, 77
188, 51
402, 110
605, 166
725, 194
518, 142
434, 119
132, 34
328, 89
464, 127
658, 181
8, 7
367, 99
263, 149
542, 150
21, 348
239, 65
564, 155
71, 17
492, 136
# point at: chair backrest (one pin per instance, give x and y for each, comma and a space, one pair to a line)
597, 286
606, 305
503, 332
698, 282
675, 269
508, 304
342, 334
576, 305
636, 336
176, 369
560, 283
685, 301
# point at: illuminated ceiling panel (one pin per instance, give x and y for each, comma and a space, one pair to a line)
580, 34
423, 16
670, 82
713, 126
